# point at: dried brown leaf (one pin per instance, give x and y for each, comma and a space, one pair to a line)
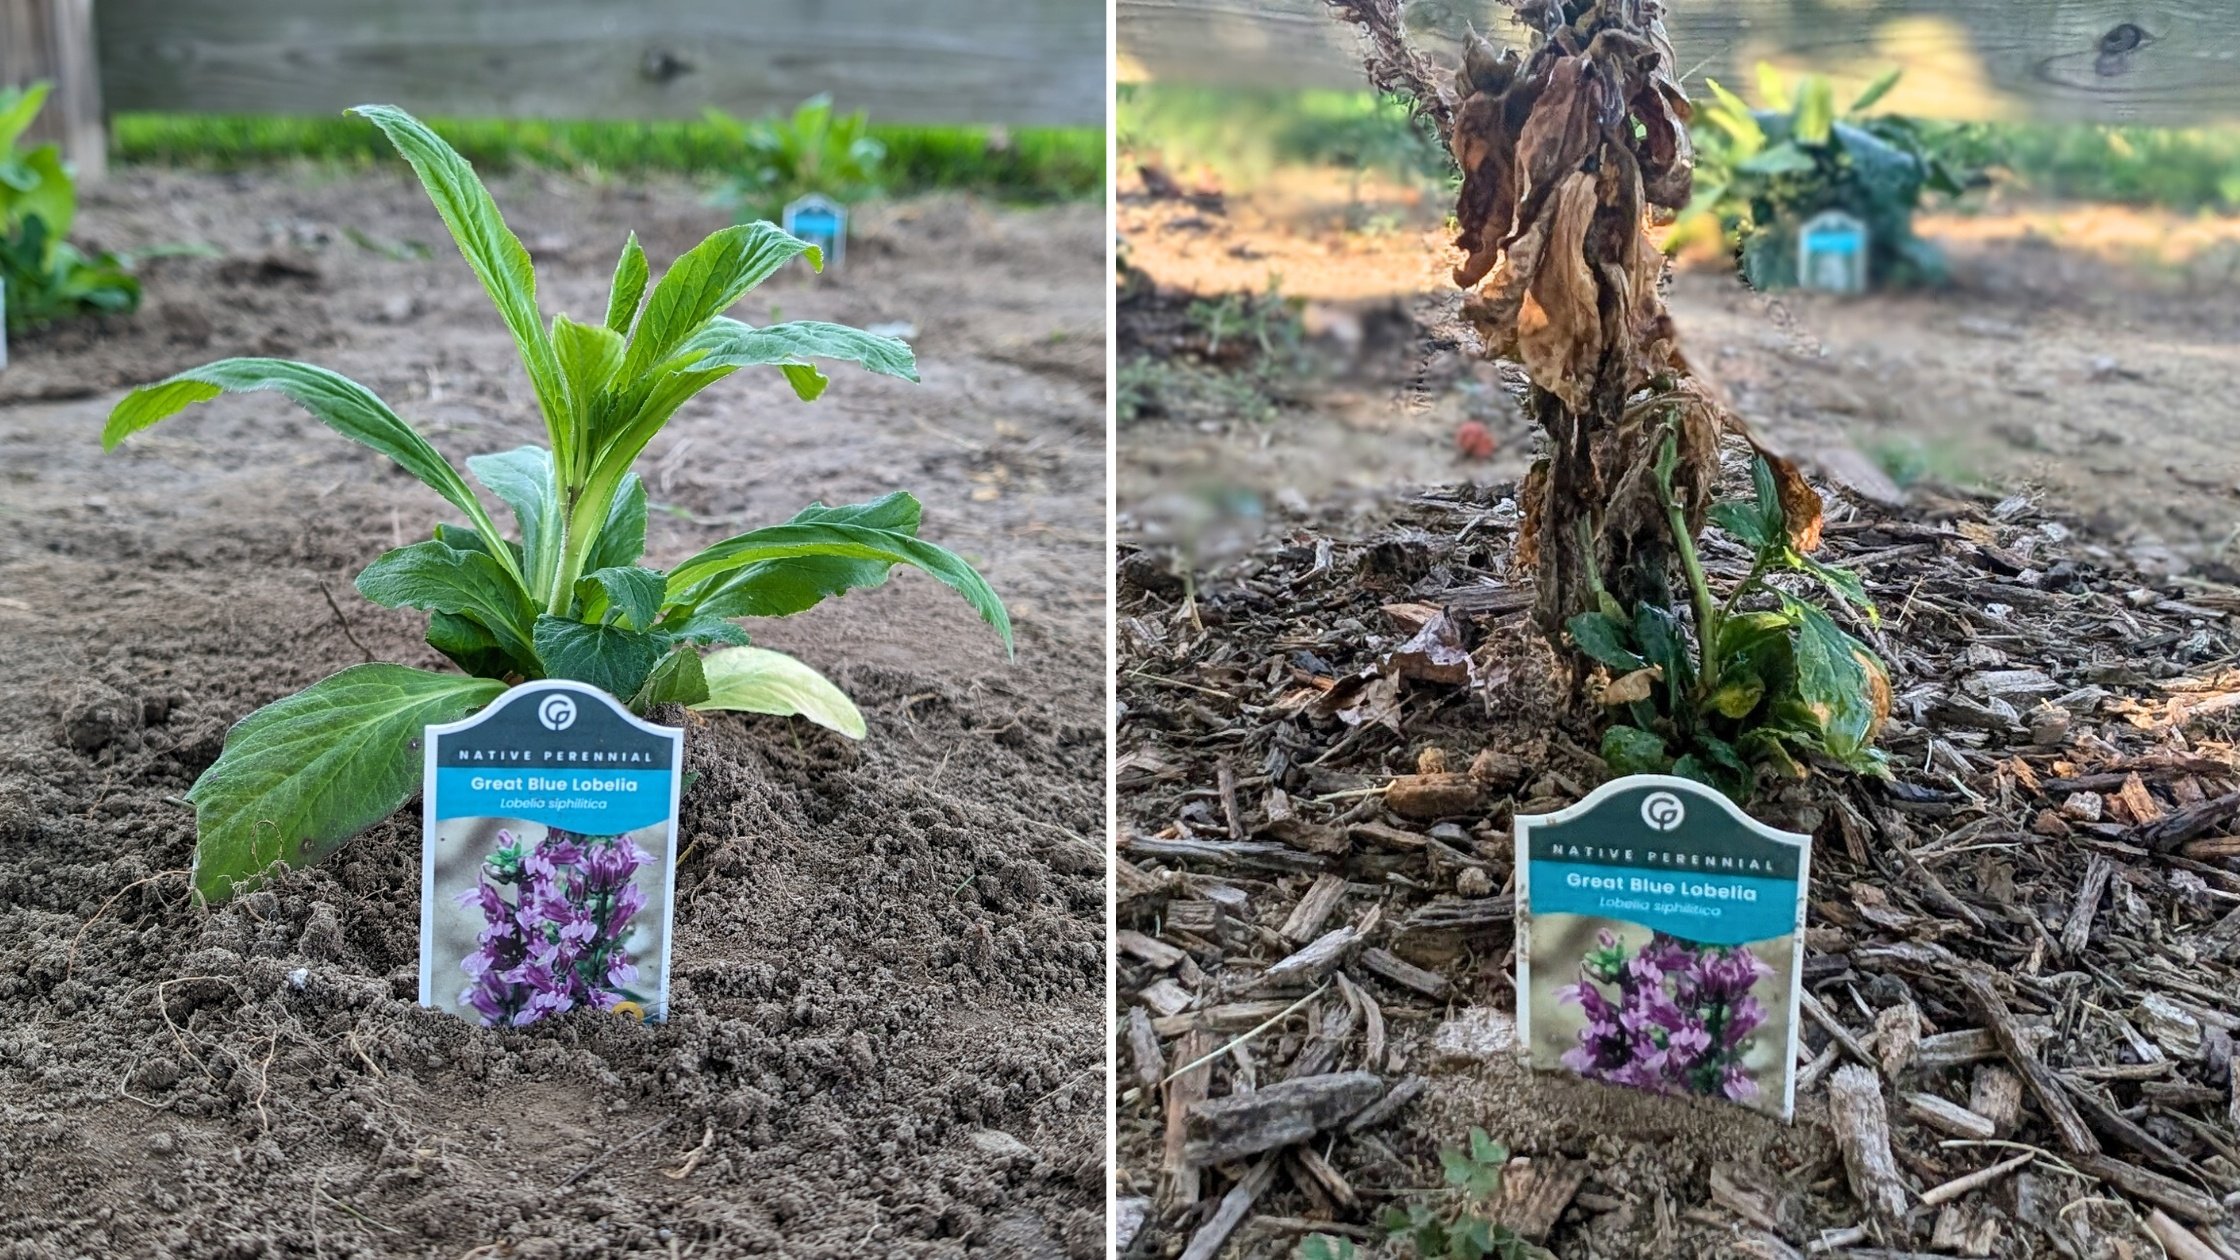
1559, 329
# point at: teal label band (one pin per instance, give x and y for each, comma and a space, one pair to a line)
589, 802
1711, 909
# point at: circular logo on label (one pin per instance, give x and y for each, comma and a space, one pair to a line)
558, 713
1663, 811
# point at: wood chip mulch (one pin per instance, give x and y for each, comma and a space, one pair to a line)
2023, 964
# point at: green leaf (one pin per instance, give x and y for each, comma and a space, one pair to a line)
828, 538
781, 588
628, 596
1782, 158
1741, 520
703, 628
436, 577
1845, 583
1764, 747
42, 190
490, 248
1631, 750
610, 658
1604, 639
1662, 645
1815, 112
1735, 117
623, 538
729, 343
17, 109
470, 645
589, 355
1742, 633
523, 478
301, 775
1485, 1150
1772, 88
1456, 1166
629, 286
1737, 694
702, 283
1830, 680
758, 680
680, 678
333, 399
1877, 90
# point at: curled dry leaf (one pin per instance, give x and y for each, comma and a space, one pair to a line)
1632, 687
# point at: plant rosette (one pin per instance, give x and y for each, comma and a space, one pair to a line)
569, 597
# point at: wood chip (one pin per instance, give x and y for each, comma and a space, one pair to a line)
1167, 997
1206, 1243
1431, 797
1148, 948
1949, 1117
1862, 1131
1143, 1050
1897, 1037
1308, 915
1223, 1130
1407, 975
1996, 1095
2181, 1200
2077, 932
1535, 1192
2076, 1138
1178, 1176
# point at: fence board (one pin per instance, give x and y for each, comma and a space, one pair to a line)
53, 40
2157, 62
965, 61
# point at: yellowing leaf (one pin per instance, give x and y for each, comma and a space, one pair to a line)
758, 680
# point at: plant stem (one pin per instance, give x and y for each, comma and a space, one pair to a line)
1707, 609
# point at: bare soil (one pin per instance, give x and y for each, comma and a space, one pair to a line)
887, 1007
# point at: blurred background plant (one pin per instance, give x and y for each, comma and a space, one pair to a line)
1762, 172
1012, 164
812, 150
42, 276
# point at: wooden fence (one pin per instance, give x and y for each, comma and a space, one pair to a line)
2156, 62
1017, 62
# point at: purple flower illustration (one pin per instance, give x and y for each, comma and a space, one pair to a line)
1681, 1021
560, 943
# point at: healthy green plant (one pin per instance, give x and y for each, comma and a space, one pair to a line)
1762, 172
569, 598
813, 151
1462, 1229
1768, 679
42, 276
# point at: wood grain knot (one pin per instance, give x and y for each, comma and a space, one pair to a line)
2116, 47
661, 65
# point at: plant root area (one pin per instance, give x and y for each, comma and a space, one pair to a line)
2023, 953
885, 1032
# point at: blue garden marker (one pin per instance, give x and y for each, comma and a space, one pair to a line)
821, 222
1832, 253
1660, 943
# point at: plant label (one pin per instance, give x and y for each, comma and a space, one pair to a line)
1660, 943
548, 858
823, 223
1832, 253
